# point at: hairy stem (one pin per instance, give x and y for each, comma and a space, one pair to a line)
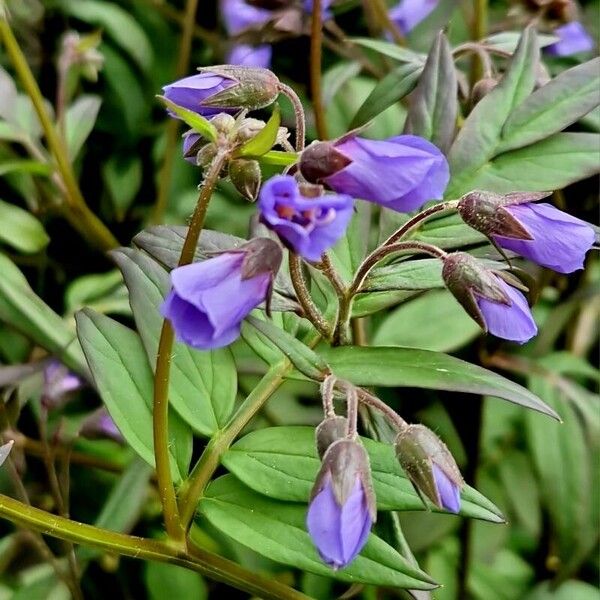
316, 54
291, 95
183, 59
311, 311
211, 565
160, 413
78, 214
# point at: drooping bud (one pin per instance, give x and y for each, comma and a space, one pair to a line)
252, 87
245, 176
489, 297
100, 425
342, 504
329, 431
58, 383
320, 160
537, 231
482, 88
430, 466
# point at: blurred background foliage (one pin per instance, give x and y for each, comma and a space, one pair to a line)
543, 475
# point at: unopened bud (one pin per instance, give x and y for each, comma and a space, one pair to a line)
253, 87
58, 383
430, 466
482, 88
249, 128
246, 177
320, 160
329, 431
224, 123
100, 425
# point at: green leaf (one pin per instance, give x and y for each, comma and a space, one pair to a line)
278, 158
282, 463
394, 51
123, 178
558, 104
550, 164
198, 123
29, 314
480, 136
124, 380
335, 77
21, 230
119, 24
393, 87
170, 582
408, 275
23, 165
203, 385
164, 243
434, 104
79, 122
277, 530
265, 139
509, 40
569, 590
302, 357
411, 324
405, 367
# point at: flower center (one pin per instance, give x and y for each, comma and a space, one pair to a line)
307, 218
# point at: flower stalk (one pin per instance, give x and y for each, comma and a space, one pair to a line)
316, 55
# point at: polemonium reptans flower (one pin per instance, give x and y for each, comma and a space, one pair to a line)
342, 506
195, 92
573, 38
238, 15
409, 13
430, 466
250, 56
190, 141
558, 241
210, 299
537, 231
307, 220
496, 306
101, 425
400, 173
58, 382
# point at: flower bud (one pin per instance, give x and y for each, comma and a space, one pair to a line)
488, 298
482, 88
329, 431
58, 383
342, 504
252, 88
430, 466
100, 425
537, 231
245, 176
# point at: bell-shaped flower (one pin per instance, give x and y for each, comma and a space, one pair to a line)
342, 506
250, 56
238, 16
537, 231
307, 220
210, 299
430, 466
58, 383
100, 425
407, 14
491, 298
572, 39
400, 173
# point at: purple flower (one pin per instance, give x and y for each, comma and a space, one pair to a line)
510, 319
487, 296
58, 382
101, 425
342, 507
307, 220
558, 240
189, 141
250, 56
210, 299
400, 173
238, 15
448, 491
194, 92
409, 13
573, 38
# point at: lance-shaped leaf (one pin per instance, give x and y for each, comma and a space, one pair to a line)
558, 104
480, 136
203, 385
404, 367
21, 230
434, 103
198, 123
307, 361
278, 158
277, 530
264, 140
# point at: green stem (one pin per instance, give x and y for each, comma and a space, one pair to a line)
209, 461
183, 59
211, 565
316, 55
311, 311
478, 32
160, 414
78, 214
382, 15
291, 95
